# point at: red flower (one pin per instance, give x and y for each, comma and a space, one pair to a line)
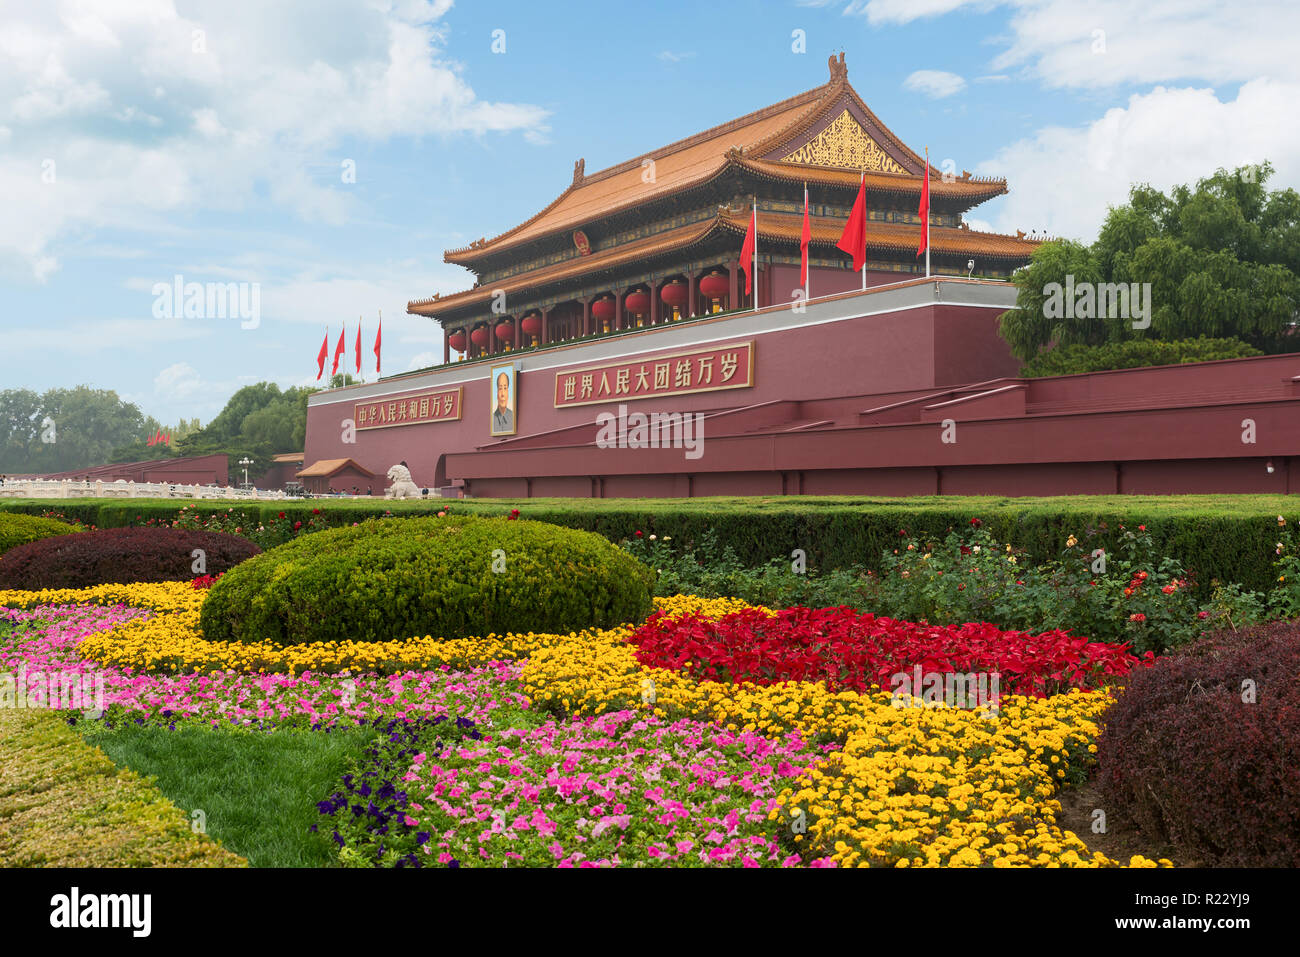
282, 514
1142, 528
638, 533
1202, 614
297, 525
976, 522
1138, 616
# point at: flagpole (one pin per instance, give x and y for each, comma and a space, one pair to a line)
753, 266
927, 214
864, 239
807, 292
361, 371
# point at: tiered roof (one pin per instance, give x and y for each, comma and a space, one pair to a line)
801, 139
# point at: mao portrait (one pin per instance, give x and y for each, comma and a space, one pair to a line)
504, 406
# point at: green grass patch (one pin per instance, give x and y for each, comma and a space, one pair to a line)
257, 790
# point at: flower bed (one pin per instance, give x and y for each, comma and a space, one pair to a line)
878, 785
853, 651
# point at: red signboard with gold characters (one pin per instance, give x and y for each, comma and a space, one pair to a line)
681, 373
442, 405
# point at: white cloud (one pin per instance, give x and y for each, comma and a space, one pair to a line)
143, 118
934, 83
1062, 179
668, 56
1104, 43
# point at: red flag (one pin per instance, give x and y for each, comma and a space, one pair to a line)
338, 352
379, 336
924, 212
167, 439
854, 239
322, 356
152, 439
804, 239
358, 345
747, 251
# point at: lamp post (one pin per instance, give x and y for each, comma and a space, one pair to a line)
245, 462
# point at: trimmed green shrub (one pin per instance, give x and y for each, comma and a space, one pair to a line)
394, 579
1134, 354
18, 530
120, 555
1202, 749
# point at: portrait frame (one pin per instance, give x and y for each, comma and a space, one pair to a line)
508, 370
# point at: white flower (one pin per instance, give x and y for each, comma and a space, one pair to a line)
975, 549
652, 538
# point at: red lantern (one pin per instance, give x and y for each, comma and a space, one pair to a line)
479, 336
457, 340
506, 330
675, 294
532, 325
715, 286
637, 303
603, 309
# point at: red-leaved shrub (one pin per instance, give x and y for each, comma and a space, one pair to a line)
1202, 750
851, 650
120, 555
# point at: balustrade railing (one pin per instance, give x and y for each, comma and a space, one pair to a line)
66, 488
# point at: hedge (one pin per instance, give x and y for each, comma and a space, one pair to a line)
111, 555
63, 803
19, 529
453, 577
1134, 354
1202, 750
1225, 537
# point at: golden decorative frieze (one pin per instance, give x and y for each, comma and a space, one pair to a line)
845, 145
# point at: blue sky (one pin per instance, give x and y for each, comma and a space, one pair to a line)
143, 140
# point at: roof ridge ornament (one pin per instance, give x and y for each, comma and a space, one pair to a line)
839, 70
579, 171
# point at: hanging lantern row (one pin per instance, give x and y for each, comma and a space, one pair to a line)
715, 287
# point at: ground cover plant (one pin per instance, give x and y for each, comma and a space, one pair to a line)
120, 555
65, 804
1203, 749
17, 529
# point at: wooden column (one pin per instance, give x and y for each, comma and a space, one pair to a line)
692, 297
546, 326
446, 345
618, 309
586, 315
733, 301
655, 305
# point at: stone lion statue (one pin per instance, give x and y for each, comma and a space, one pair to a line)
402, 486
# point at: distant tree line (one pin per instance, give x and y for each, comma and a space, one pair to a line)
67, 429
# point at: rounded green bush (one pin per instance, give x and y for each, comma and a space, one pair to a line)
17, 529
399, 578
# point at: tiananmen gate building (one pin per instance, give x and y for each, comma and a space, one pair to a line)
608, 348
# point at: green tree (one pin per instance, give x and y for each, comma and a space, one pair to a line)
1222, 260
